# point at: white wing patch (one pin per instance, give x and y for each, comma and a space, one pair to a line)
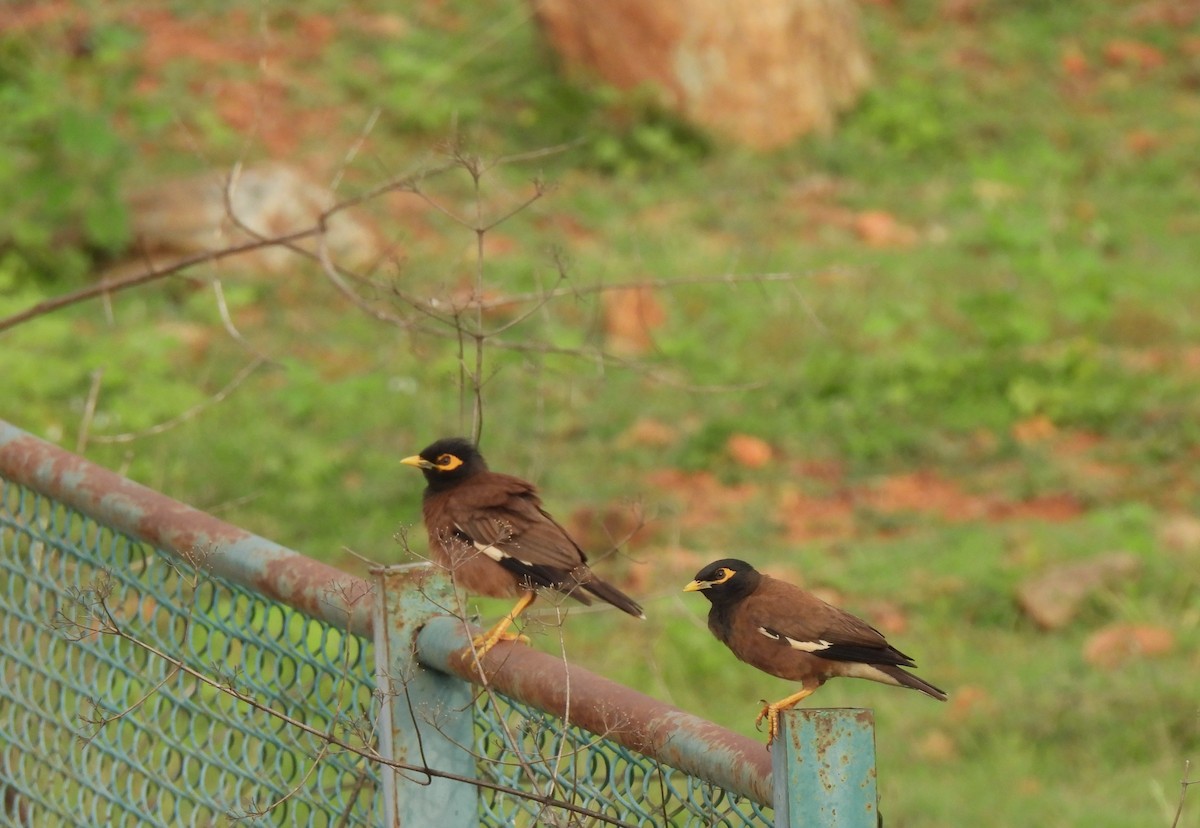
803, 646
491, 551
494, 552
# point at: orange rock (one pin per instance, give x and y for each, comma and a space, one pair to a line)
1142, 141
640, 578
809, 517
631, 315
887, 616
1033, 430
705, 501
968, 699
750, 452
760, 73
495, 246
1116, 644
1053, 597
938, 746
879, 228
1180, 533
1074, 62
1133, 53
961, 11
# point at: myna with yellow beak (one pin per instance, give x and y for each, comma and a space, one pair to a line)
491, 532
783, 630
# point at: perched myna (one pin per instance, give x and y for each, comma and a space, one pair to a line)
787, 632
490, 530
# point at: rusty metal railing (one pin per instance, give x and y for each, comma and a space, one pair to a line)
386, 719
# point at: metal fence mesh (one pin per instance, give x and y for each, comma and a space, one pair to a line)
525, 748
184, 753
176, 752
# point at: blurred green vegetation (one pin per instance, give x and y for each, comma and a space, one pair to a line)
1044, 273
63, 157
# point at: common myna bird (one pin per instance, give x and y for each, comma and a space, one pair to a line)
788, 632
491, 532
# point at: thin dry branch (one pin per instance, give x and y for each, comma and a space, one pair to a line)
733, 279
356, 147
605, 359
189, 414
445, 326
109, 287
1184, 784
153, 273
231, 328
89, 411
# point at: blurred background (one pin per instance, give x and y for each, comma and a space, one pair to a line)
897, 300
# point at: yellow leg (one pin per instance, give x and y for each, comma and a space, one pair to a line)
499, 632
771, 711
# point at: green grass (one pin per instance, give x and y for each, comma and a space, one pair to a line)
1051, 276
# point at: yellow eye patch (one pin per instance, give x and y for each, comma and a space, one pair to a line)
448, 462
723, 575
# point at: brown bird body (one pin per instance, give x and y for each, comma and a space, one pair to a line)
783, 630
491, 532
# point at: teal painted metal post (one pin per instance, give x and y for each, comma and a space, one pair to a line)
824, 767
426, 718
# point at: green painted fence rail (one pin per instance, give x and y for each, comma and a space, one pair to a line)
116, 602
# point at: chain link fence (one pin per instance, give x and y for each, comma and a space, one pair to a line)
153, 656
97, 730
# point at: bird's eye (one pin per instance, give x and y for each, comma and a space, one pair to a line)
724, 574
447, 462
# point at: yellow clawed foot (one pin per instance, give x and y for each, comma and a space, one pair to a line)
771, 712
486, 640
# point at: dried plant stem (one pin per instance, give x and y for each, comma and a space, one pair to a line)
1184, 784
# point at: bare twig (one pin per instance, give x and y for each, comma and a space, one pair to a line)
604, 358
230, 327
89, 411
732, 279
361, 779
191, 413
533, 155
257, 241
356, 147
536, 308
539, 191
1184, 784
106, 287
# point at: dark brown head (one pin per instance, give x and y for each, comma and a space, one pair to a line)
448, 462
726, 582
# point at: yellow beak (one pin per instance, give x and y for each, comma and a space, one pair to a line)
696, 586
418, 461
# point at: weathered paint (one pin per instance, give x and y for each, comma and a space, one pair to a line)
425, 716
275, 571
825, 769
605, 708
